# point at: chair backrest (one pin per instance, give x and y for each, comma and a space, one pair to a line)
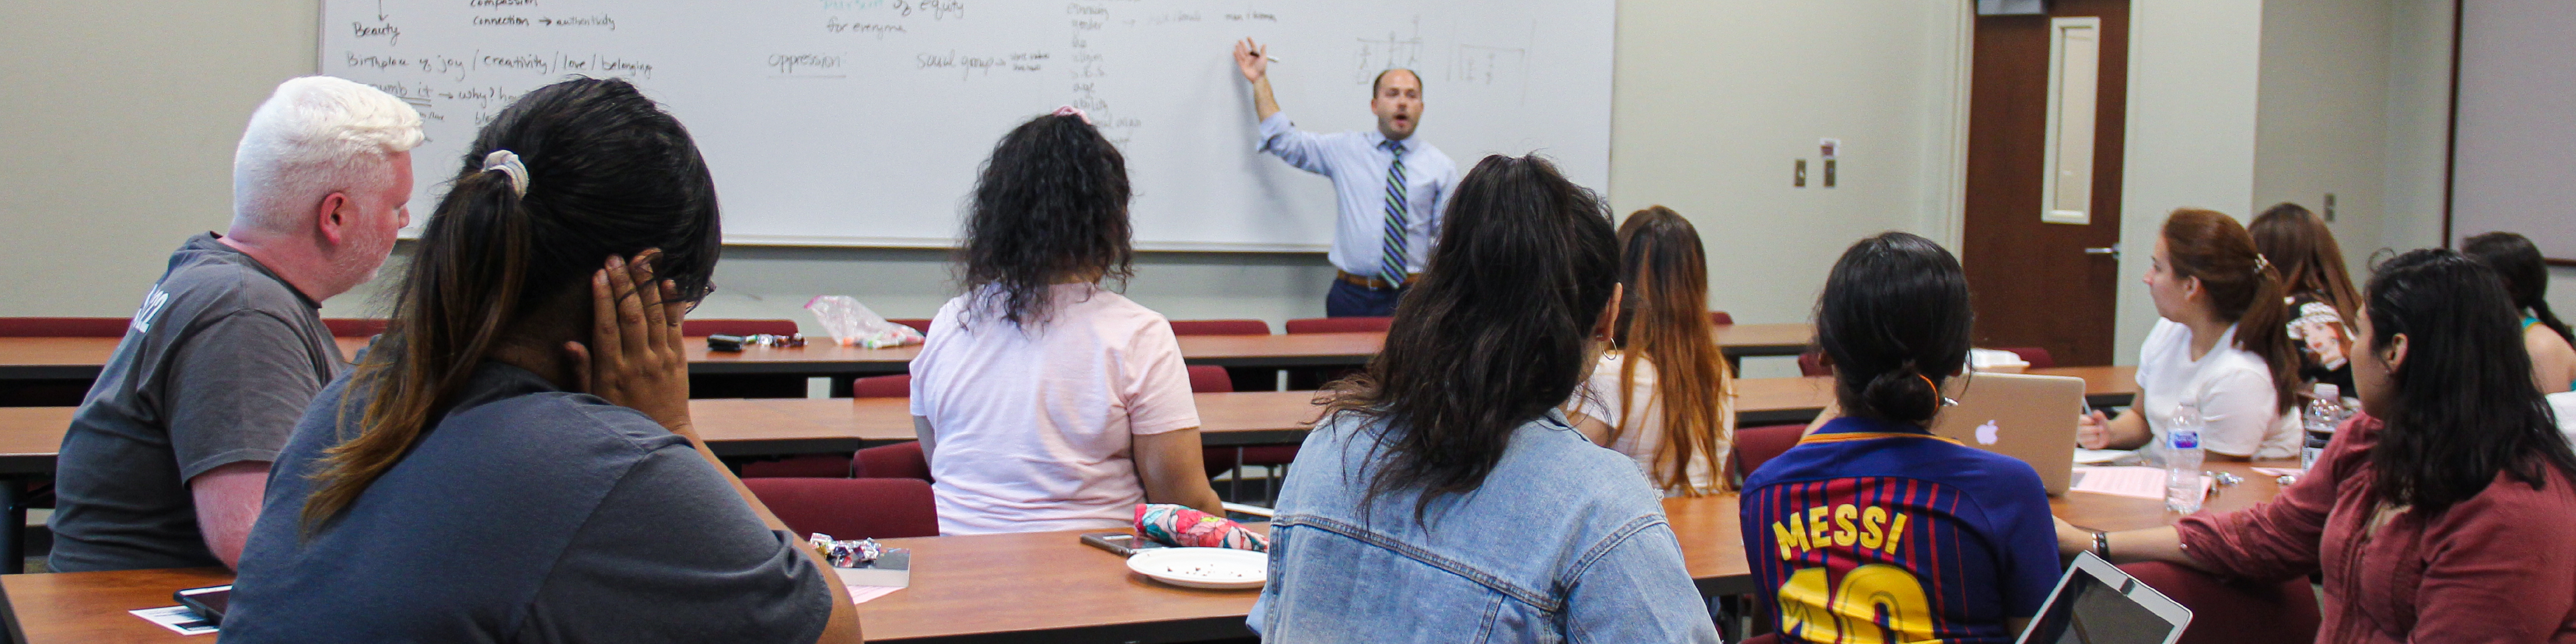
356, 327
895, 386
917, 324
1757, 445
1340, 325
2234, 612
1812, 364
850, 508
702, 328
824, 466
897, 461
1210, 379
2037, 356
64, 327
1220, 327
1720, 318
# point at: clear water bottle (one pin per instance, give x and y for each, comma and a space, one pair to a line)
2182, 460
2322, 414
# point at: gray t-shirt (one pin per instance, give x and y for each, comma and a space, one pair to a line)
525, 515
215, 369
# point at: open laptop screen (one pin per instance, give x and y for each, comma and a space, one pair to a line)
2092, 607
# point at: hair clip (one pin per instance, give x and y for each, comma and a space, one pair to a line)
1069, 110
508, 163
2261, 263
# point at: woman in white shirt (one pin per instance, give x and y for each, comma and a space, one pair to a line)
1663, 396
2223, 348
1043, 400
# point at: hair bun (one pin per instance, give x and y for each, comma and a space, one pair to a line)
1903, 394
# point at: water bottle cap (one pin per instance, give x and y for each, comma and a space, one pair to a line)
2326, 391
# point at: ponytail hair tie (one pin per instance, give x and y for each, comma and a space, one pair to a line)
1069, 110
1943, 401
508, 163
2261, 263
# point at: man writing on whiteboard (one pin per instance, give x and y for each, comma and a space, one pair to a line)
1391, 186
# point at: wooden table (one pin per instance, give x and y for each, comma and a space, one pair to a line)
77, 358
1018, 587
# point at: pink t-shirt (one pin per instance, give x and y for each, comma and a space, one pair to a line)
1033, 427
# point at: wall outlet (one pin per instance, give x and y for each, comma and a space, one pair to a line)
1798, 179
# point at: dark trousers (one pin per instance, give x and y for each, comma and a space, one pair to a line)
1352, 300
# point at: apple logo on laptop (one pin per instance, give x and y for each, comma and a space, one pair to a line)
1986, 433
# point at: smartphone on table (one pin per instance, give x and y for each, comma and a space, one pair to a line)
1120, 543
209, 602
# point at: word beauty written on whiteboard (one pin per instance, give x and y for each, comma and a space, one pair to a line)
864, 122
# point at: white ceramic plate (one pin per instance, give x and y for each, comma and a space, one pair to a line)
1226, 568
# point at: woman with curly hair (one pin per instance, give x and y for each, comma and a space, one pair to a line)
1044, 400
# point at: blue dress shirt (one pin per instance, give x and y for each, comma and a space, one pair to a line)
1358, 167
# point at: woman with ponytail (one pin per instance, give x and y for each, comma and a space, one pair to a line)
516, 448
2223, 348
1662, 394
2322, 299
1944, 541
2526, 278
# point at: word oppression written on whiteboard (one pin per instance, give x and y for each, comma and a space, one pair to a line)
865, 122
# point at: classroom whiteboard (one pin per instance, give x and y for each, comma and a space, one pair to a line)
864, 122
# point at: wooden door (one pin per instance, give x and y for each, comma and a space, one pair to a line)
2037, 283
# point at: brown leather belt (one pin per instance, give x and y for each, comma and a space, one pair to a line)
1375, 283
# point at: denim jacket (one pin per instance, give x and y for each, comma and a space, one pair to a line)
1564, 542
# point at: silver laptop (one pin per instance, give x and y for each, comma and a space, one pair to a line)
2028, 417
2095, 603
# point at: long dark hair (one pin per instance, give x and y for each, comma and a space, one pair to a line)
2465, 408
1895, 319
609, 173
2303, 249
2244, 288
2525, 274
1664, 322
1495, 334
1050, 204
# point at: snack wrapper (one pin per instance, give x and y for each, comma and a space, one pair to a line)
845, 554
1176, 525
852, 325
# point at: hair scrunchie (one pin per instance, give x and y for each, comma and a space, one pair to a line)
508, 163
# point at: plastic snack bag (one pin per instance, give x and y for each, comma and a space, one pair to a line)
853, 325
1176, 525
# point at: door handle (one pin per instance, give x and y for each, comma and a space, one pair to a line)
2111, 250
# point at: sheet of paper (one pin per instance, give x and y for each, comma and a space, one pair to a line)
2090, 456
176, 618
2130, 481
861, 594
2279, 471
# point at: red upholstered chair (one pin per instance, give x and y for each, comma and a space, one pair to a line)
897, 461
1757, 445
1220, 327
895, 386
64, 327
917, 324
850, 508
1812, 364
2037, 356
1720, 318
2234, 612
356, 327
702, 328
1340, 325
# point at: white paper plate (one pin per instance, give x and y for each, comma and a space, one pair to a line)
1203, 567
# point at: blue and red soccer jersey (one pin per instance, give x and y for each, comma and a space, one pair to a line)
1870, 531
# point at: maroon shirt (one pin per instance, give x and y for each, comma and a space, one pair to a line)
2498, 567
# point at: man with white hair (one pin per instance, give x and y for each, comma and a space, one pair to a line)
167, 460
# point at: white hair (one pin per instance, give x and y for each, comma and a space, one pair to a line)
315, 136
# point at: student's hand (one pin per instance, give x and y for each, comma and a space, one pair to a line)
1253, 58
635, 358
2092, 431
2071, 540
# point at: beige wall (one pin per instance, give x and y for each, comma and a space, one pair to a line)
121, 116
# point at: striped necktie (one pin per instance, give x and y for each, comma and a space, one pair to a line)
1391, 254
